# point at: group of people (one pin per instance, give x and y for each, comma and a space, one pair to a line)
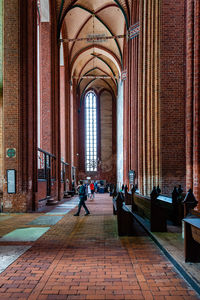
85, 191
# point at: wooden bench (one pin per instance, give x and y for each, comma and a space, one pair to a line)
177, 208
191, 229
192, 239
125, 218
150, 209
71, 193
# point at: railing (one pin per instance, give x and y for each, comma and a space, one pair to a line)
46, 165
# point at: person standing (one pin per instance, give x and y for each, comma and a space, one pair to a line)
92, 190
95, 186
89, 191
82, 198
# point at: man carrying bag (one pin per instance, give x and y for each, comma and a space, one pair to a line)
82, 199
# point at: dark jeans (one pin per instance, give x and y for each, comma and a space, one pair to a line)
82, 203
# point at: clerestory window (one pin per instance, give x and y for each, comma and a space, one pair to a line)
91, 132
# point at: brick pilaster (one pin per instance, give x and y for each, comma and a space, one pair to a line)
193, 97
1, 96
20, 127
45, 87
148, 96
196, 131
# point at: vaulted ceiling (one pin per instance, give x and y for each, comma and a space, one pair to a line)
93, 35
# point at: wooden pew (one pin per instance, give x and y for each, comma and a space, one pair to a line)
149, 208
192, 239
177, 205
191, 229
125, 218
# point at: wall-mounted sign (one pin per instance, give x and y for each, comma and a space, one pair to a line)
131, 175
11, 181
134, 30
11, 152
124, 74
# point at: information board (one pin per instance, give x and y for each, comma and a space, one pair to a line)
11, 181
131, 175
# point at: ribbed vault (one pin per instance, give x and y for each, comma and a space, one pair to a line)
94, 34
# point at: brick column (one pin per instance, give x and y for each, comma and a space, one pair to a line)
148, 93
75, 123
134, 94
126, 117
62, 112
11, 98
67, 117
45, 87
66, 113
20, 104
189, 93
1, 96
192, 98
55, 92
196, 131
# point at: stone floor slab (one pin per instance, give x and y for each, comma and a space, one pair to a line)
58, 212
4, 218
8, 254
25, 234
46, 220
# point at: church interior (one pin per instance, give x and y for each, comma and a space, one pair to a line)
106, 92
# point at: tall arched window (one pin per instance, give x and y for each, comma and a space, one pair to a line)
91, 132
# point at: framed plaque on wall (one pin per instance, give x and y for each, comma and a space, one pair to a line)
11, 181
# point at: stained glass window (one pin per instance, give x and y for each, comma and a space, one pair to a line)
91, 132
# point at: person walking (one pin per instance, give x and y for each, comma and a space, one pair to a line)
82, 198
92, 190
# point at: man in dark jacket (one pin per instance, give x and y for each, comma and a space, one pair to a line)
82, 198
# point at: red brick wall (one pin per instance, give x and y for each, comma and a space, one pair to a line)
172, 95
42, 191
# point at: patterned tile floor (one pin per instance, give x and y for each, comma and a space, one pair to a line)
83, 258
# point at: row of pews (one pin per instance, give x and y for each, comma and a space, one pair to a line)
159, 210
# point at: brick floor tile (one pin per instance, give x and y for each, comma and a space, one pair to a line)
147, 295
190, 297
72, 261
174, 298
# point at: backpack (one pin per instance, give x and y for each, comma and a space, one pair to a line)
92, 186
82, 190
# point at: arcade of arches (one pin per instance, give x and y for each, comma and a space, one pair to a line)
140, 60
